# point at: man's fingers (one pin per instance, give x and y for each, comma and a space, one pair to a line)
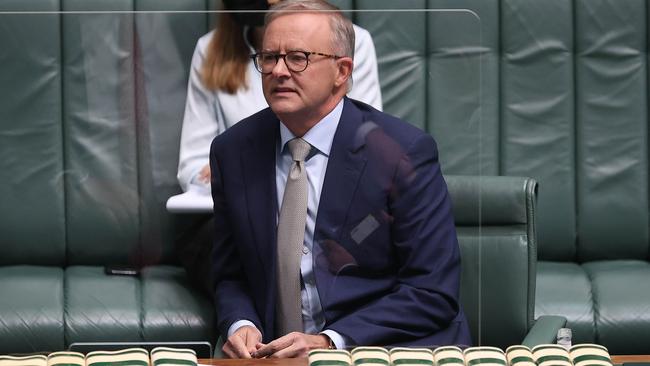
297, 348
289, 352
242, 351
265, 351
291, 345
226, 351
274, 346
236, 348
241, 344
251, 341
229, 351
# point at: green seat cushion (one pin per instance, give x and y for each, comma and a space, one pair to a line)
31, 308
564, 288
621, 291
173, 309
159, 305
101, 308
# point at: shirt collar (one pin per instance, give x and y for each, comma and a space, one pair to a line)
321, 135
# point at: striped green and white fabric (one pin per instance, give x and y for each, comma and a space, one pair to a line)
329, 357
125, 357
66, 358
520, 356
484, 356
165, 356
449, 356
551, 355
370, 356
401, 356
34, 360
590, 355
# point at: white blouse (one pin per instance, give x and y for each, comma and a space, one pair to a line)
209, 113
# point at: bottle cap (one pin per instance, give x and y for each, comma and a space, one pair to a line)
564, 333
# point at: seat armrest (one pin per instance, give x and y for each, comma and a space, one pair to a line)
544, 331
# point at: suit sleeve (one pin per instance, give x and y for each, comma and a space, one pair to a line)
425, 297
231, 293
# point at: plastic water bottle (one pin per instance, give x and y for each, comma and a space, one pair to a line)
564, 337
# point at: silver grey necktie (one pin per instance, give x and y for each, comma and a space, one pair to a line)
291, 235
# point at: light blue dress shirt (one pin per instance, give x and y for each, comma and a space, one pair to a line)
320, 137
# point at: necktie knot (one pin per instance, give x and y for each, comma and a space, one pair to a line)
299, 149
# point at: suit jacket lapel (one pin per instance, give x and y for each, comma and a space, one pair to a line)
344, 169
258, 165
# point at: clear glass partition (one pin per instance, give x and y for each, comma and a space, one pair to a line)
93, 97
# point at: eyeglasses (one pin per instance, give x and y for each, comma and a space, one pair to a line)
296, 61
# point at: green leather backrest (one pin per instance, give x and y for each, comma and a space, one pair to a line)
563, 98
90, 110
165, 43
400, 43
31, 145
100, 132
611, 127
536, 113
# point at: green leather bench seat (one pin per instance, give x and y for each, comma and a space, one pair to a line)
159, 306
565, 288
618, 290
498, 256
31, 308
503, 289
622, 293
495, 219
48, 308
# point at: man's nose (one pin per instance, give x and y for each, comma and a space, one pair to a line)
280, 69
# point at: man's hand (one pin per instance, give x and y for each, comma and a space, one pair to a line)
294, 344
242, 342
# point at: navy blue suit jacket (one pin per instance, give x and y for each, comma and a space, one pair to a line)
388, 267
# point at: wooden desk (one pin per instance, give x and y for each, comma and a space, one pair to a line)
303, 361
264, 362
630, 358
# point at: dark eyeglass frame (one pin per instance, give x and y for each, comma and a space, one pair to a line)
283, 56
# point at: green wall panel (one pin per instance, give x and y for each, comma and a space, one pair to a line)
538, 115
32, 212
164, 46
400, 43
612, 107
102, 199
463, 84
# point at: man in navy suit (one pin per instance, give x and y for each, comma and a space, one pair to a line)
380, 260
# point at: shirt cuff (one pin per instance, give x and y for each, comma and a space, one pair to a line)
238, 324
340, 342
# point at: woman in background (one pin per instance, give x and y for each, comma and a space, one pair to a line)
224, 88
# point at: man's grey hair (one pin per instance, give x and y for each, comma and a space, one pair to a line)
343, 42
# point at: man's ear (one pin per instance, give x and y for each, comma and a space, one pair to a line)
345, 66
